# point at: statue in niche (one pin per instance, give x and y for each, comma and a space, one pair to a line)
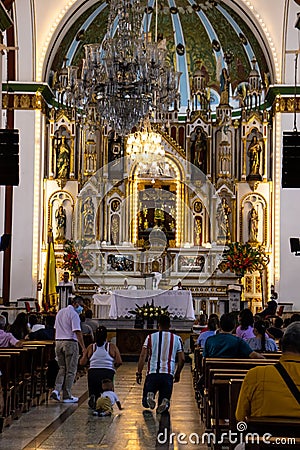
224, 85
198, 231
254, 152
88, 212
223, 212
199, 149
115, 229
61, 222
253, 225
63, 160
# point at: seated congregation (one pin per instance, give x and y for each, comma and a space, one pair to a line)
243, 373
249, 373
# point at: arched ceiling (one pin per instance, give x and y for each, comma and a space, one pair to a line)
201, 32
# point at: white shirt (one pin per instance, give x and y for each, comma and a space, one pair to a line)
162, 347
69, 283
111, 395
66, 323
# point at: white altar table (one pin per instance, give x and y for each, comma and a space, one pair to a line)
180, 303
102, 305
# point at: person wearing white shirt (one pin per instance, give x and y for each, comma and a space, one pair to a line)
66, 294
67, 337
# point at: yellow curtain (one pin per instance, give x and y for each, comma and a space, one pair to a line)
50, 281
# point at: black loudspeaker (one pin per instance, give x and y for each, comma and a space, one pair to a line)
295, 245
9, 157
291, 160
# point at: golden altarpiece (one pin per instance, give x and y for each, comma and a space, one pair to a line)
172, 218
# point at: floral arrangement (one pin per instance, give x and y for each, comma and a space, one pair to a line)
240, 258
75, 261
149, 311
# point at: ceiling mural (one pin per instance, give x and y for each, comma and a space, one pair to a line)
207, 34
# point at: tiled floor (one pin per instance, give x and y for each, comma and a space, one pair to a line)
60, 426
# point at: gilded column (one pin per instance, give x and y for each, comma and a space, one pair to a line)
244, 159
209, 171
72, 174
51, 159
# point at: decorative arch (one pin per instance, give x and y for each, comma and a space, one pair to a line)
257, 202
57, 200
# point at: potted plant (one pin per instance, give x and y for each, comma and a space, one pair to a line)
240, 258
149, 313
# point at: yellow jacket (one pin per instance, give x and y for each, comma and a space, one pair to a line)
265, 393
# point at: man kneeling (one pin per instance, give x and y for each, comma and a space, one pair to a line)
161, 349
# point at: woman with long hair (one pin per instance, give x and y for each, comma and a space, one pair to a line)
245, 329
262, 342
213, 325
19, 328
104, 358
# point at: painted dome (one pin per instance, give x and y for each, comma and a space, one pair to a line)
207, 34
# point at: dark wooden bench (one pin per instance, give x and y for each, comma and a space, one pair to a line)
284, 433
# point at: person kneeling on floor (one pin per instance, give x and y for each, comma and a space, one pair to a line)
161, 348
104, 405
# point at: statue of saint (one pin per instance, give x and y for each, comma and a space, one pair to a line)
115, 229
198, 231
223, 212
199, 149
88, 212
224, 85
61, 221
63, 160
254, 152
253, 225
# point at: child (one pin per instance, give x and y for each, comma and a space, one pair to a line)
104, 405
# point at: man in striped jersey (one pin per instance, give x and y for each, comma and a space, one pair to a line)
161, 348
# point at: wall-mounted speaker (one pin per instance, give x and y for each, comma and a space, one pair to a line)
9, 157
291, 160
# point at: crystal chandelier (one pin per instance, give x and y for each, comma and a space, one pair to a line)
125, 76
145, 145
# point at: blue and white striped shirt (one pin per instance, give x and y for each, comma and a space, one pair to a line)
162, 349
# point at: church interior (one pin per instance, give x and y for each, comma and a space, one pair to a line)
152, 144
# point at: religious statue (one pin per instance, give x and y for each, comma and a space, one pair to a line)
88, 212
253, 225
223, 212
224, 85
61, 221
63, 159
254, 152
198, 230
115, 229
199, 149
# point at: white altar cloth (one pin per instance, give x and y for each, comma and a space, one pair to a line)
180, 303
102, 305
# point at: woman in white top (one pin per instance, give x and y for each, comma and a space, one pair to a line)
104, 358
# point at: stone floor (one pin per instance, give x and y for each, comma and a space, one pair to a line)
61, 426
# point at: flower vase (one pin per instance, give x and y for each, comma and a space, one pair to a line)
139, 323
150, 323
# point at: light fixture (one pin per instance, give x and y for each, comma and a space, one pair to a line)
125, 76
145, 146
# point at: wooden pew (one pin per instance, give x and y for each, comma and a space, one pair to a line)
22, 361
7, 388
218, 372
43, 351
285, 433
